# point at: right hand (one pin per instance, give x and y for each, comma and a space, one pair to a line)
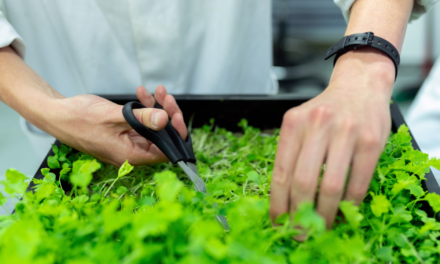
96, 126
345, 126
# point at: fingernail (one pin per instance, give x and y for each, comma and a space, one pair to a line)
155, 120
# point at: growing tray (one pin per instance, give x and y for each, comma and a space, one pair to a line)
261, 111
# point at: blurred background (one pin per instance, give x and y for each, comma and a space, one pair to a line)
302, 32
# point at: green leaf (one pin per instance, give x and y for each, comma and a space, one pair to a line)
45, 171
400, 214
351, 213
308, 218
253, 176
15, 182
431, 224
65, 171
3, 199
416, 190
148, 201
121, 190
434, 162
379, 204
45, 191
52, 162
434, 201
125, 169
169, 185
54, 149
82, 172
282, 218
14, 176
243, 123
385, 253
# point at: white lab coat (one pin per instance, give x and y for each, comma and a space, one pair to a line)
113, 46
424, 114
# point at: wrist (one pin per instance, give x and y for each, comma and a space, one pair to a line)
365, 68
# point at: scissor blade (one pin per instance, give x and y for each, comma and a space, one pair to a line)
193, 176
193, 167
191, 171
222, 220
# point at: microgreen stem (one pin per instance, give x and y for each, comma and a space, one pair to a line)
71, 191
413, 249
113, 183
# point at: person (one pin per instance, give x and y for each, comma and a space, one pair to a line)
424, 116
217, 46
348, 124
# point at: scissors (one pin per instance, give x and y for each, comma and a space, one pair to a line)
173, 146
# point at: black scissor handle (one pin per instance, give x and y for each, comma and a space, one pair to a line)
167, 139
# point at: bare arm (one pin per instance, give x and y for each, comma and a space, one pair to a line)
348, 124
86, 122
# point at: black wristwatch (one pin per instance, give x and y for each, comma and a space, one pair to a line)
367, 39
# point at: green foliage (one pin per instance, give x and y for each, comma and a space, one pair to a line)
151, 214
125, 169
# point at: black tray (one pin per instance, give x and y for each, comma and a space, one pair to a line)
262, 111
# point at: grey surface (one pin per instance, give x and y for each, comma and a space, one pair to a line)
15, 149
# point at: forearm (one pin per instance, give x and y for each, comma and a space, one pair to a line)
24, 90
386, 19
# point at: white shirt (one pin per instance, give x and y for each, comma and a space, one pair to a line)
424, 114
113, 46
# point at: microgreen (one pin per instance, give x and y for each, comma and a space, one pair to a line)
151, 214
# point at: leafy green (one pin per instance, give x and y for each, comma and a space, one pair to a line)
351, 213
379, 204
151, 214
82, 172
3, 199
125, 169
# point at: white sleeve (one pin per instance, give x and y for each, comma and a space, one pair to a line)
8, 35
420, 7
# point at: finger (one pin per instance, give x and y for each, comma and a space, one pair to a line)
311, 158
179, 125
365, 159
166, 100
152, 118
160, 94
289, 145
308, 168
332, 184
169, 104
155, 119
145, 97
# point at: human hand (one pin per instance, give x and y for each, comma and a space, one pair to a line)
96, 126
348, 124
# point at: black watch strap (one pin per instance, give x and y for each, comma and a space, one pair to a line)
360, 40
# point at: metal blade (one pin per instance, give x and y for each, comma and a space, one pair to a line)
193, 167
192, 173
222, 220
193, 176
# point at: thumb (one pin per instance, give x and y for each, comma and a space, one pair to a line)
153, 118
